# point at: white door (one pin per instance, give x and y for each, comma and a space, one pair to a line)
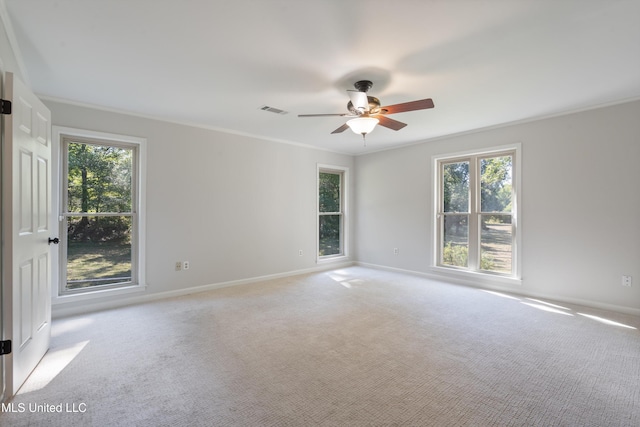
27, 226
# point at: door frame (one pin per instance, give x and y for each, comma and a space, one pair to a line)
3, 335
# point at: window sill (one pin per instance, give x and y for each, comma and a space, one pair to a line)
332, 258
475, 277
97, 294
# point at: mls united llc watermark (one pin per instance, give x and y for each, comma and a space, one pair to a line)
61, 408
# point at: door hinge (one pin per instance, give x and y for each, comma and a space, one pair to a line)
5, 347
5, 106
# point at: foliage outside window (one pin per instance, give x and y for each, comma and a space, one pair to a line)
476, 218
330, 213
100, 215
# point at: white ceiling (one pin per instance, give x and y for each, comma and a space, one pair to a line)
215, 63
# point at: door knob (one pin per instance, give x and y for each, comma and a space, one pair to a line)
55, 240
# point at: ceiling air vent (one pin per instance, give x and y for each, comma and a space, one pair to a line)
273, 110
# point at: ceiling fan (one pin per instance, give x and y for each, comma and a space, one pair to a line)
367, 111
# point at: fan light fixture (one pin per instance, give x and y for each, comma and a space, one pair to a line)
363, 125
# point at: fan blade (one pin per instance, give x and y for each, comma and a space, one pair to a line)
341, 128
359, 100
390, 123
422, 104
325, 115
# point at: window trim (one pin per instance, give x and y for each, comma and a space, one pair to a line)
138, 210
515, 150
344, 207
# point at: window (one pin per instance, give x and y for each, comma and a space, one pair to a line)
100, 219
476, 218
331, 211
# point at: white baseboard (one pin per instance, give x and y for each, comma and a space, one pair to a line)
80, 307
497, 286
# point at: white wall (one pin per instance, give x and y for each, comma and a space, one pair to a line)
235, 207
8, 59
580, 204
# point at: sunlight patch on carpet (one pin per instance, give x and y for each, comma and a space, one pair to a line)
499, 294
50, 366
546, 308
548, 303
344, 279
606, 321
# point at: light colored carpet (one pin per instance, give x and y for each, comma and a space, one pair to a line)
351, 347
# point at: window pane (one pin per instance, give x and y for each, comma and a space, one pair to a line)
330, 235
455, 180
99, 178
329, 192
455, 248
495, 184
98, 251
495, 243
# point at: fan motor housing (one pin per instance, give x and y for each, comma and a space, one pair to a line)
374, 106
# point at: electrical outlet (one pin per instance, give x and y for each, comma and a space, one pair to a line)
626, 281
178, 265
395, 251
185, 265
